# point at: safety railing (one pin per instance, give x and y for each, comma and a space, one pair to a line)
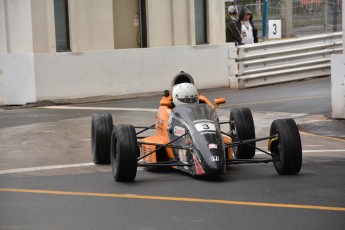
285, 60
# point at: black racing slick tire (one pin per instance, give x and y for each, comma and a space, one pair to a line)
123, 153
286, 149
101, 128
242, 128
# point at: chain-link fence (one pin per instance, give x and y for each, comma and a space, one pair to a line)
309, 17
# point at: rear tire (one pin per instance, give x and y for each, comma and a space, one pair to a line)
242, 128
287, 149
101, 127
123, 153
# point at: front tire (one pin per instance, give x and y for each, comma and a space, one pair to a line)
101, 127
242, 128
123, 153
287, 148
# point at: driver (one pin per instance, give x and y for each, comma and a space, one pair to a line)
185, 93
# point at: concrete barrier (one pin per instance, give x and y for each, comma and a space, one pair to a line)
112, 72
1, 89
338, 86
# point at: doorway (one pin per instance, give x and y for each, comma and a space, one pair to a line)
129, 23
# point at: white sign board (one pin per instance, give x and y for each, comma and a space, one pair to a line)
338, 85
274, 29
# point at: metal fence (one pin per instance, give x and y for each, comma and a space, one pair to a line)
310, 17
285, 60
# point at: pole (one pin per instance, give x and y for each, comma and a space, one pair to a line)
265, 19
335, 15
326, 15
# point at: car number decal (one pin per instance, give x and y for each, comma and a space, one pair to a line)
205, 126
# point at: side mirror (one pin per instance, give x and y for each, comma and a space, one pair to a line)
165, 103
219, 101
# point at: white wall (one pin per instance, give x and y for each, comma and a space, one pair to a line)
127, 71
1, 82
72, 75
18, 78
3, 46
338, 85
338, 79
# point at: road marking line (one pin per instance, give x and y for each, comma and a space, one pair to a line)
274, 101
181, 199
315, 135
311, 151
40, 168
98, 108
322, 151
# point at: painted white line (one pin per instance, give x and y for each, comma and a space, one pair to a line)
41, 168
275, 101
98, 108
322, 151
33, 169
311, 151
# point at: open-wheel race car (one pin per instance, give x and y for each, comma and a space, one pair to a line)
188, 137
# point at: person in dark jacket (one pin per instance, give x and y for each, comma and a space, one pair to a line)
232, 31
249, 33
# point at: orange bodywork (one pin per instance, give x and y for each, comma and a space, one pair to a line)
227, 140
162, 136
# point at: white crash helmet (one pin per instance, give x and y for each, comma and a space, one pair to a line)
185, 93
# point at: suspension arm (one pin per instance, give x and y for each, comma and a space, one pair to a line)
247, 142
159, 146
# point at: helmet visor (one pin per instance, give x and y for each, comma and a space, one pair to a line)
189, 100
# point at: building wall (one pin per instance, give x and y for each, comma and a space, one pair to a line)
18, 26
28, 25
172, 22
180, 28
41, 26
3, 47
216, 21
159, 23
3, 34
27, 36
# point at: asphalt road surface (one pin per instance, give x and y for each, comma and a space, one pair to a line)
48, 180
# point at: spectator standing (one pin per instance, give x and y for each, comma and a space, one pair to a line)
232, 31
249, 33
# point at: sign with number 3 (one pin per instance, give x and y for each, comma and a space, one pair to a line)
205, 126
274, 29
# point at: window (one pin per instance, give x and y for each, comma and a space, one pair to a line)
61, 25
200, 21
